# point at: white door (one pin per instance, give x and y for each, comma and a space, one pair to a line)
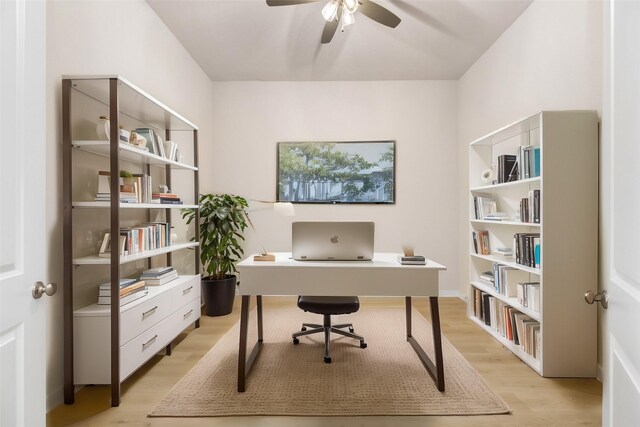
621, 214
22, 216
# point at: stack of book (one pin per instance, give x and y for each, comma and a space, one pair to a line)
159, 276
136, 190
130, 290
166, 198
503, 252
412, 260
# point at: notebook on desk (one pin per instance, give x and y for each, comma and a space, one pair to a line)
332, 240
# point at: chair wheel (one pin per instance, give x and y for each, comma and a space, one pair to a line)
363, 344
351, 329
327, 359
304, 328
296, 341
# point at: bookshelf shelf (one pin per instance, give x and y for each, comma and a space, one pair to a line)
513, 302
512, 223
107, 205
105, 310
509, 263
124, 259
563, 147
493, 187
129, 153
535, 364
103, 343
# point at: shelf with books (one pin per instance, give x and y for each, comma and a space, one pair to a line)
513, 302
512, 223
545, 215
130, 153
517, 183
535, 364
153, 291
107, 205
116, 107
98, 260
508, 262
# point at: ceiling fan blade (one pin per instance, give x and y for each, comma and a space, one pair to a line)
379, 14
288, 2
330, 28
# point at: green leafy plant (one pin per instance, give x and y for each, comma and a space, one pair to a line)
223, 218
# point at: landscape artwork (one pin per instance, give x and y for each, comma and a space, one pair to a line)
336, 172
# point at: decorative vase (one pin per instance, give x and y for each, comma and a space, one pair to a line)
103, 128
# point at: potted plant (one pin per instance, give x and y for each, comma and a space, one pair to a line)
223, 218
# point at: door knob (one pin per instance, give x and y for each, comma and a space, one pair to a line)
590, 297
40, 288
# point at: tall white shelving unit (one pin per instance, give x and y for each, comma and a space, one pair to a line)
568, 184
105, 344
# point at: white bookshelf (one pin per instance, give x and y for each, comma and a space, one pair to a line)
104, 344
568, 228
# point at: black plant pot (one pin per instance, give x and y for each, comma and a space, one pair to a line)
218, 295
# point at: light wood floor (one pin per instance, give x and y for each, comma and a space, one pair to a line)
535, 401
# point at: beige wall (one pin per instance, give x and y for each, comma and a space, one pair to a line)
549, 59
249, 118
107, 37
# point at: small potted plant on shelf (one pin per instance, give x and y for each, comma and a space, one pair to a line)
223, 218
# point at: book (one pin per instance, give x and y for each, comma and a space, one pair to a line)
162, 280
157, 271
411, 260
124, 300
124, 290
123, 283
507, 166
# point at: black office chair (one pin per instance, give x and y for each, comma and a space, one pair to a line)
328, 306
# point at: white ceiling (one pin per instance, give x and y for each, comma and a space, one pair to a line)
248, 40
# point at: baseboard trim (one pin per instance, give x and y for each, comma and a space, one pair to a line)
451, 294
55, 399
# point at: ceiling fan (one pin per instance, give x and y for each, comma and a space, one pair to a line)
336, 11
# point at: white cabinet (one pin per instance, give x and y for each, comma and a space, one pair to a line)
534, 306
148, 325
104, 344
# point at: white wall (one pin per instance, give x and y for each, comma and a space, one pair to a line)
249, 118
107, 37
550, 58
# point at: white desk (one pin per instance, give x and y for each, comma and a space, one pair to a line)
383, 276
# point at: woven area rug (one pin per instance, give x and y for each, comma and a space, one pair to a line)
386, 378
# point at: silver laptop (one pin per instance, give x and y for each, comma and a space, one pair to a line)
333, 240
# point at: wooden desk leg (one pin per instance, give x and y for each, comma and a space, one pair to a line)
435, 370
437, 341
244, 363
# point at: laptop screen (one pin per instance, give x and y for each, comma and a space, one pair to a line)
332, 240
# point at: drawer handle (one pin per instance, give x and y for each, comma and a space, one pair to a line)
185, 291
149, 312
151, 341
187, 314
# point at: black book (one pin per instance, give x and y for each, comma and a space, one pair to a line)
506, 165
485, 309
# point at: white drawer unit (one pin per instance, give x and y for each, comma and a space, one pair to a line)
147, 326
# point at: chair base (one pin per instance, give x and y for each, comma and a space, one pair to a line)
327, 328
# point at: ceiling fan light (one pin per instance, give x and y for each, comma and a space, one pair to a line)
330, 10
351, 5
347, 18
